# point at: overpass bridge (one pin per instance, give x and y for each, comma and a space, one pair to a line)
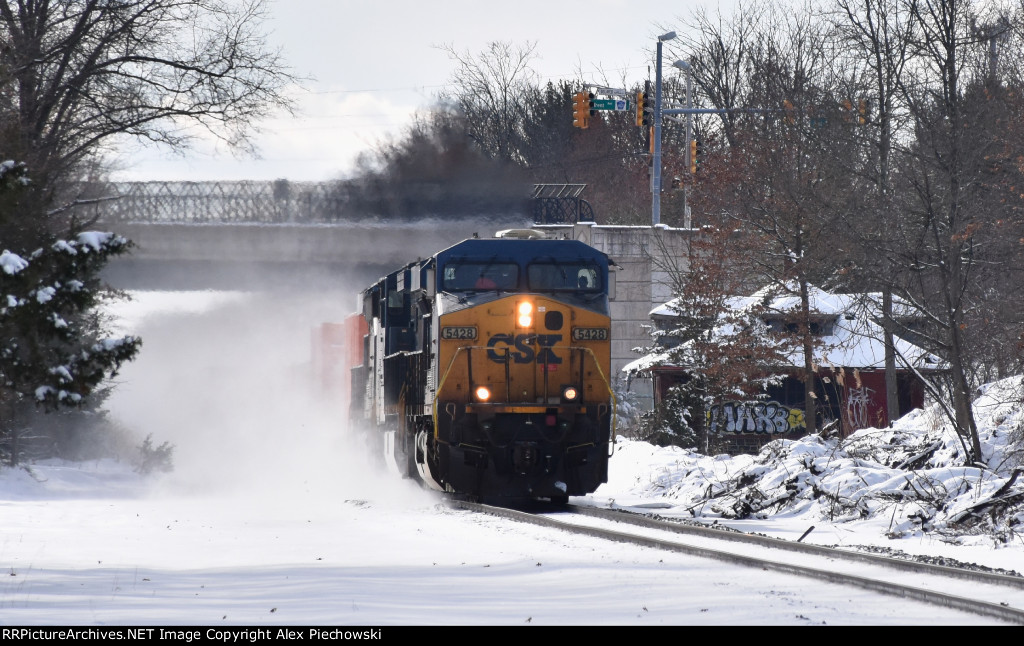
249, 235
251, 256
273, 236
252, 234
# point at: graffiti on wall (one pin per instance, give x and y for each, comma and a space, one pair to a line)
857, 402
771, 418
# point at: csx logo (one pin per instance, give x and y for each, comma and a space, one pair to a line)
520, 348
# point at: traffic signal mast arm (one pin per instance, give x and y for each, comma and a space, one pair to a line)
671, 111
862, 111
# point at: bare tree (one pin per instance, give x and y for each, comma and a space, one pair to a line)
953, 187
77, 76
490, 88
720, 53
901, 119
548, 133
876, 36
510, 117
434, 169
789, 174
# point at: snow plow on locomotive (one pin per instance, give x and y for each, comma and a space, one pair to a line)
484, 369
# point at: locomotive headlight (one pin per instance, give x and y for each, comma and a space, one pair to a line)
483, 393
524, 314
570, 393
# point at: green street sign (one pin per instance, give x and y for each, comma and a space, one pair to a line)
610, 104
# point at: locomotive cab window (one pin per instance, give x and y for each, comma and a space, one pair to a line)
472, 275
564, 276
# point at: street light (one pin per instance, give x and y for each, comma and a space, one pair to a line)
656, 162
685, 66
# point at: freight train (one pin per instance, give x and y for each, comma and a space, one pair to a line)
484, 369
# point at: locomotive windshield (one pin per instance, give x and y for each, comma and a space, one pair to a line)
564, 276
470, 275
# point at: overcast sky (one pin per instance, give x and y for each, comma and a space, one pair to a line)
374, 63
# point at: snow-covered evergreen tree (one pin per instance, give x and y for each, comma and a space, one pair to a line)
54, 348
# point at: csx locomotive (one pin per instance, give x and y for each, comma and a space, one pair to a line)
484, 369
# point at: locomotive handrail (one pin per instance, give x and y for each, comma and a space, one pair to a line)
607, 384
611, 394
444, 377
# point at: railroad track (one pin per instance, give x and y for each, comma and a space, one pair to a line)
989, 594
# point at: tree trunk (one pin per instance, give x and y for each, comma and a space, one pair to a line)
961, 393
810, 397
892, 397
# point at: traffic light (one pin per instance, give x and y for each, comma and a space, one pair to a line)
581, 109
787, 107
641, 103
696, 155
863, 108
647, 105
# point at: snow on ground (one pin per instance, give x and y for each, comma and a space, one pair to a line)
903, 488
269, 517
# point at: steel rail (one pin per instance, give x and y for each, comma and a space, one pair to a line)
998, 611
725, 534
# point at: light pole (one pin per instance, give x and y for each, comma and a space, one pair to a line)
685, 66
656, 162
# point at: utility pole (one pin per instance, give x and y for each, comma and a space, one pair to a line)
685, 66
656, 160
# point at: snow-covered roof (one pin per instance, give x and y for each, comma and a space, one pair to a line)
786, 298
855, 339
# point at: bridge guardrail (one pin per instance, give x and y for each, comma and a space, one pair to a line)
274, 202
279, 201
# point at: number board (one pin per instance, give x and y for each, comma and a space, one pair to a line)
590, 334
466, 333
